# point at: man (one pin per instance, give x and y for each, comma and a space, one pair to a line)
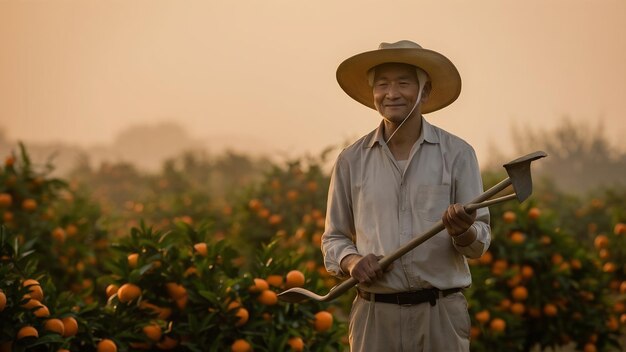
394, 184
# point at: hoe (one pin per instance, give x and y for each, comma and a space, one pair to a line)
518, 171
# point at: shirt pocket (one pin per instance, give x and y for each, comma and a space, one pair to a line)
432, 200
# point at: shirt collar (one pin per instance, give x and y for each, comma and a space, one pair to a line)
428, 134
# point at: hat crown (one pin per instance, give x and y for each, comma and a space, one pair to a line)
403, 44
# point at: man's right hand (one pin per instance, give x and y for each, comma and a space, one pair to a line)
364, 269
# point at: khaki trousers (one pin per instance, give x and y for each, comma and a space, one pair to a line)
444, 327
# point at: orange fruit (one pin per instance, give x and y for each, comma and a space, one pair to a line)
622, 287
9, 161
58, 234
71, 230
486, 258
259, 286
275, 280
609, 267
323, 321
296, 344
601, 241
31, 303
557, 259
42, 312
268, 298
27, 331
518, 308
483, 316
54, 325
619, 229
255, 204
576, 264
3, 301
550, 310
545, 240
153, 332
474, 332
604, 254
497, 325
5, 200
520, 293
241, 345
612, 323
527, 272
518, 237
243, 315
35, 289
181, 302
534, 213
106, 345
514, 280
167, 343
264, 213
509, 217
162, 312
499, 267
275, 219
132, 260
128, 292
192, 270
590, 347
295, 278
70, 326
7, 216
29, 204
175, 290
505, 304
111, 290
292, 195
201, 248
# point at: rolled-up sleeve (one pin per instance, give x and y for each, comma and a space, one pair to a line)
337, 240
468, 185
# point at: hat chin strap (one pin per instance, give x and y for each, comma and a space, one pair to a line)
421, 77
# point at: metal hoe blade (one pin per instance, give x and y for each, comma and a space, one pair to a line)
519, 176
519, 173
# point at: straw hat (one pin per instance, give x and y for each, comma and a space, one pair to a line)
444, 77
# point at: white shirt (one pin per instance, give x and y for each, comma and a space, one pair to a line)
376, 206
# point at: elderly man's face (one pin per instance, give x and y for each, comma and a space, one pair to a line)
395, 90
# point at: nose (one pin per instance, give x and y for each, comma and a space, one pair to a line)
393, 92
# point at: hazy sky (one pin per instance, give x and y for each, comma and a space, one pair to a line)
263, 71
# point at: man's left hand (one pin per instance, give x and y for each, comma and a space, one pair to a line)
456, 220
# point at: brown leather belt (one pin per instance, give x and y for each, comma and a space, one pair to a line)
409, 298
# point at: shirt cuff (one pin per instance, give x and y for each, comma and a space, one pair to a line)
336, 268
471, 250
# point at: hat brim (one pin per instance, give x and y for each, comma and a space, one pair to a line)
445, 78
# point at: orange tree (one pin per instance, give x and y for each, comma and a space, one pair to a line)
200, 294
289, 204
34, 315
538, 285
50, 219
